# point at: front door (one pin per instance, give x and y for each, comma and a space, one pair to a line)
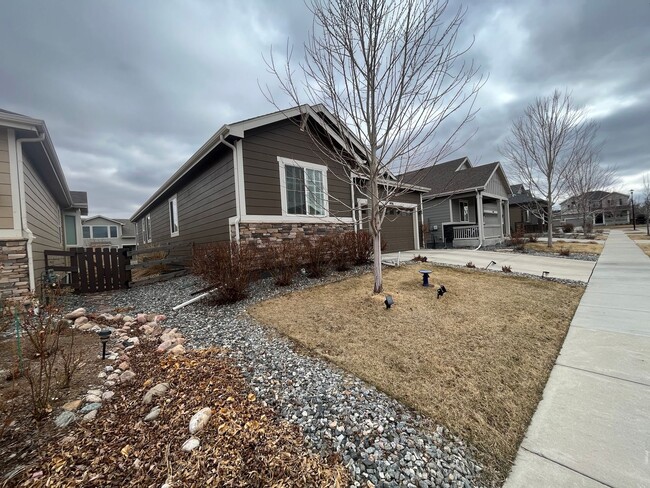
448, 235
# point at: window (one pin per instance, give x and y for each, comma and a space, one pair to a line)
100, 232
147, 228
173, 216
464, 211
113, 230
70, 222
527, 216
86, 232
303, 188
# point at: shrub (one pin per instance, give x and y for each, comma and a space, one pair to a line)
227, 266
517, 240
564, 251
362, 247
316, 254
567, 227
533, 238
470, 265
589, 228
282, 260
506, 269
343, 250
419, 258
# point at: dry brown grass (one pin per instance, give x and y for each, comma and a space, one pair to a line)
644, 245
476, 361
639, 237
591, 247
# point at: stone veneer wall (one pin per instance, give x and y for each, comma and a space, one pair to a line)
263, 234
14, 269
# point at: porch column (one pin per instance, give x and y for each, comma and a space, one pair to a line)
479, 217
506, 207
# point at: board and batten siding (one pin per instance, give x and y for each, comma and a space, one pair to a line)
6, 209
496, 186
261, 148
205, 201
44, 217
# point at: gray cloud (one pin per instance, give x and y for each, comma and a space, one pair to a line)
130, 90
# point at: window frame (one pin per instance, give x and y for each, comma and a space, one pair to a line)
172, 211
65, 230
90, 232
283, 163
462, 203
146, 229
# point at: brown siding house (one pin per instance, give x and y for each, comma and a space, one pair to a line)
261, 180
37, 209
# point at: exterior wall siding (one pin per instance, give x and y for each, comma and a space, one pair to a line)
6, 210
436, 212
205, 203
496, 186
261, 148
44, 217
118, 241
14, 272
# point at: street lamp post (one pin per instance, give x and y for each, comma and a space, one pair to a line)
633, 219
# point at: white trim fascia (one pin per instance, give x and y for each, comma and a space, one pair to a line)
174, 199
398, 184
13, 176
11, 234
290, 219
465, 160
239, 180
452, 193
364, 201
283, 162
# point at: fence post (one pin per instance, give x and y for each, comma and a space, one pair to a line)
124, 263
74, 264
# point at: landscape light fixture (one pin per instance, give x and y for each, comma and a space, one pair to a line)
389, 301
104, 334
545, 274
632, 201
441, 291
490, 264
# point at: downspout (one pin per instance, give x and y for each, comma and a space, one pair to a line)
479, 220
23, 210
236, 173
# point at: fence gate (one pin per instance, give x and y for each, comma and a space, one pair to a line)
93, 269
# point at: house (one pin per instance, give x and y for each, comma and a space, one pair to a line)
100, 231
597, 208
467, 206
265, 179
527, 212
37, 209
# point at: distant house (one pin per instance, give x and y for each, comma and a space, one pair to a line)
598, 207
264, 180
37, 209
466, 205
527, 212
100, 231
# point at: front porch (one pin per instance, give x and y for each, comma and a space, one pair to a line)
477, 219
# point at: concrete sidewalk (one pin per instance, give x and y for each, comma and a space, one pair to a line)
569, 269
592, 427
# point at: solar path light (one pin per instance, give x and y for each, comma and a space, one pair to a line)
104, 334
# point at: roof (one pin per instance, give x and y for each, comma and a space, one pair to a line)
447, 177
80, 200
237, 130
517, 188
596, 196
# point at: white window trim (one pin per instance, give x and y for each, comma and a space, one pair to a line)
460, 210
283, 162
146, 237
173, 200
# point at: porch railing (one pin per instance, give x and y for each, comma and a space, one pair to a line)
466, 232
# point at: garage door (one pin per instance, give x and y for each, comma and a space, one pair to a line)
397, 230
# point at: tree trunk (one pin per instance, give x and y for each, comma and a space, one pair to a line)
376, 247
549, 223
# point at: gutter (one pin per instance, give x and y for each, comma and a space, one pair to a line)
223, 141
23, 207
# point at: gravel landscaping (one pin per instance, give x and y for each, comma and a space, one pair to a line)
379, 440
580, 256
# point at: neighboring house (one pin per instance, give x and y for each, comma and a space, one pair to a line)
527, 212
467, 205
263, 180
599, 208
100, 231
37, 209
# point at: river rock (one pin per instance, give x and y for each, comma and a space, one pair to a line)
127, 376
90, 407
153, 414
80, 321
90, 416
64, 419
159, 390
72, 405
93, 398
75, 314
191, 444
200, 419
107, 395
178, 349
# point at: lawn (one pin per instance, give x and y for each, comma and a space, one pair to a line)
476, 360
644, 244
560, 246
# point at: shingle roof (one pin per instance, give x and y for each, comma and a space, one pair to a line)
444, 178
79, 197
516, 188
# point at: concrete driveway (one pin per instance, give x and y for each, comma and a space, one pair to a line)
571, 269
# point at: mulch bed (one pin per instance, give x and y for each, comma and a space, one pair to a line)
244, 444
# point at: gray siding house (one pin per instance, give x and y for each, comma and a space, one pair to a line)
597, 207
265, 179
527, 212
100, 231
467, 206
37, 209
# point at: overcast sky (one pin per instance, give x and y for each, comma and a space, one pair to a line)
130, 89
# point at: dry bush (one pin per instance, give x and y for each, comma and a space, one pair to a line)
154, 270
71, 361
564, 251
567, 227
421, 259
506, 269
316, 254
227, 266
343, 249
517, 240
470, 265
363, 248
533, 237
282, 260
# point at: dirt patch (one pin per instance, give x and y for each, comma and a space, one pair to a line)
560, 246
476, 360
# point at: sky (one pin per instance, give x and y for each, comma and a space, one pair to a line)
130, 90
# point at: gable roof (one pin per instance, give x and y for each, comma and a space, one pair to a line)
596, 195
445, 178
128, 227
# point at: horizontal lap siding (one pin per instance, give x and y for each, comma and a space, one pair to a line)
205, 203
261, 148
435, 213
6, 211
43, 217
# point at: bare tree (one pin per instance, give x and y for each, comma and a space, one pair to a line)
586, 177
546, 144
390, 73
